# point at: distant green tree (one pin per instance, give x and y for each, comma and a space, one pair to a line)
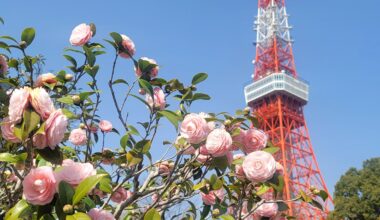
357, 193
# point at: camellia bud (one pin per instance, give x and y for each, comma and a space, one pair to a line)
215, 213
193, 88
246, 110
227, 122
68, 209
23, 44
82, 126
69, 77
76, 99
142, 92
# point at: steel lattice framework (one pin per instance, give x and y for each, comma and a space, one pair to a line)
277, 97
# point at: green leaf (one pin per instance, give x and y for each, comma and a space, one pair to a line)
200, 96
124, 141
116, 37
205, 211
146, 86
71, 60
91, 59
88, 202
226, 217
92, 71
93, 29
9, 38
84, 95
271, 150
323, 194
305, 197
66, 193
133, 158
28, 35
133, 130
47, 217
171, 116
105, 184
14, 213
66, 100
152, 214
4, 46
199, 78
30, 122
86, 186
78, 216
53, 156
143, 146
69, 114
120, 81
316, 204
12, 158
262, 190
1, 20
282, 206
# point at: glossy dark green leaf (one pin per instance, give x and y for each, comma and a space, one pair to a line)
205, 211
282, 206
53, 156
28, 35
17, 210
143, 146
71, 60
271, 150
116, 37
12, 158
146, 86
200, 96
171, 116
65, 193
199, 78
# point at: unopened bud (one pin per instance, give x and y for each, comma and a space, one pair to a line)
69, 77
68, 209
82, 126
193, 88
76, 99
142, 92
215, 212
227, 122
246, 110
23, 44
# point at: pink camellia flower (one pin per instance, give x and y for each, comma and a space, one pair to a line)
93, 128
279, 168
218, 142
17, 104
165, 167
3, 65
267, 210
41, 102
78, 137
119, 195
254, 140
259, 166
74, 172
239, 171
211, 197
48, 78
238, 140
159, 99
105, 126
99, 214
80, 35
153, 72
39, 186
55, 128
7, 131
194, 128
128, 45
202, 157
211, 124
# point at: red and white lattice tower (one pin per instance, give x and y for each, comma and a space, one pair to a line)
277, 96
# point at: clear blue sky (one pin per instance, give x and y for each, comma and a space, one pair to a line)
336, 49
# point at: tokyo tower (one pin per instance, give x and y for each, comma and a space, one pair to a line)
277, 96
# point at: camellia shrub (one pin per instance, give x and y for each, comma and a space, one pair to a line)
54, 163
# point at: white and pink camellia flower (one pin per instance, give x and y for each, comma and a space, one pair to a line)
238, 140
105, 126
41, 102
254, 140
279, 168
218, 142
48, 78
211, 124
211, 197
3, 65
153, 72
17, 104
7, 129
99, 214
80, 35
128, 45
74, 172
259, 166
39, 186
194, 128
120, 195
239, 171
78, 137
55, 127
267, 210
202, 155
159, 101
